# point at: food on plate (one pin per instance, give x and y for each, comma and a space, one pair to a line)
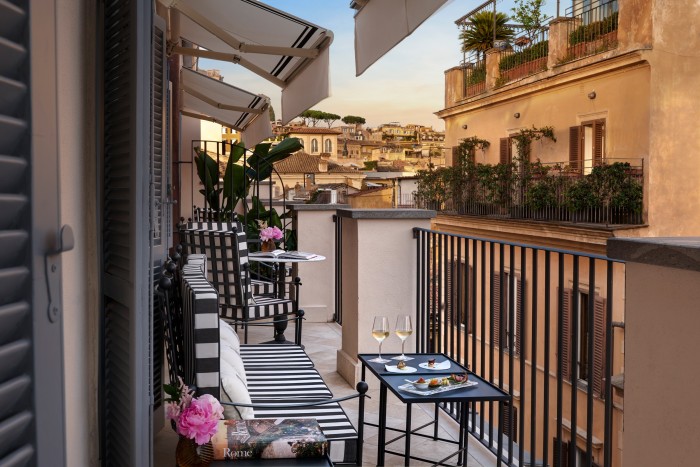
445, 382
431, 362
420, 380
434, 383
420, 383
459, 378
401, 365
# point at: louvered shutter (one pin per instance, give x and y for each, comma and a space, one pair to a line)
566, 335
598, 143
495, 309
158, 205
31, 353
574, 148
455, 155
510, 422
127, 388
564, 454
599, 346
467, 274
504, 154
518, 316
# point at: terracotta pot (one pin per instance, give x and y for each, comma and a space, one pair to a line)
189, 454
268, 245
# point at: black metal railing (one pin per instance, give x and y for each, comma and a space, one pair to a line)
473, 78
338, 314
609, 193
593, 29
537, 322
527, 56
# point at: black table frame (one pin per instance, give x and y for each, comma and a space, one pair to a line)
483, 392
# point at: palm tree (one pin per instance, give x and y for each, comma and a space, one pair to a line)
478, 37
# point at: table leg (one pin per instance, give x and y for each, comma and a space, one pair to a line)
463, 457
407, 451
500, 434
435, 428
382, 425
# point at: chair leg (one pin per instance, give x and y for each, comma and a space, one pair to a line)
245, 332
297, 330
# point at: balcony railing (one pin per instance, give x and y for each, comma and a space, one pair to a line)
474, 78
538, 323
610, 193
527, 56
593, 29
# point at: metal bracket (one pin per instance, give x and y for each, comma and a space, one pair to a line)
66, 242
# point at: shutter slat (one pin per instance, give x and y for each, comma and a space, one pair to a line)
566, 334
518, 316
12, 170
598, 134
599, 345
11, 206
12, 318
13, 57
495, 309
12, 285
12, 94
13, 432
12, 21
11, 131
504, 151
574, 150
12, 394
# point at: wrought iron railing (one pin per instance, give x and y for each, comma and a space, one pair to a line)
526, 56
593, 28
338, 314
474, 78
610, 193
541, 323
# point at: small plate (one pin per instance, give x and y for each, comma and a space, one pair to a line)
438, 366
394, 369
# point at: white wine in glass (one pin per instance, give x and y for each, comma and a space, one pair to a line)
404, 329
380, 331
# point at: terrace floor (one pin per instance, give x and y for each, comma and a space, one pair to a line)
322, 341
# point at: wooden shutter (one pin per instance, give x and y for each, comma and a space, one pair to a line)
510, 423
565, 355
127, 385
599, 346
504, 155
158, 205
575, 148
495, 309
518, 316
467, 293
598, 142
455, 155
564, 453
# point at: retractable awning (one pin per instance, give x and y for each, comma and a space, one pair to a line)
206, 98
284, 49
381, 24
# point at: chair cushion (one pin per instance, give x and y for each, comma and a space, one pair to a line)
233, 390
275, 356
229, 336
231, 362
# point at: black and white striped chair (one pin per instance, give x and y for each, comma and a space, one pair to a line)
293, 393
228, 269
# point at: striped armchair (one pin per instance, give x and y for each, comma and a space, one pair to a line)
228, 269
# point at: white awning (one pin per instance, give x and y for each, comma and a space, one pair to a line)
381, 24
281, 48
210, 99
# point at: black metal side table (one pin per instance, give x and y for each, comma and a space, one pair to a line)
483, 391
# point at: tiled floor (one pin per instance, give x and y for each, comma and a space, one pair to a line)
322, 341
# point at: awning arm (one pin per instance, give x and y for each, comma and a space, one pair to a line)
218, 105
227, 57
238, 45
199, 116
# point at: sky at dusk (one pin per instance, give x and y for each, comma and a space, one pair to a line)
407, 85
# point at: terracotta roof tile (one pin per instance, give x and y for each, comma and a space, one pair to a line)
306, 130
299, 162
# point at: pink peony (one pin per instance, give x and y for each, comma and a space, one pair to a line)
270, 233
199, 421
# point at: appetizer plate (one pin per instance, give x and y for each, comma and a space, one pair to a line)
394, 369
436, 390
438, 366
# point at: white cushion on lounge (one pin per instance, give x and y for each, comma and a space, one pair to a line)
233, 390
228, 335
232, 363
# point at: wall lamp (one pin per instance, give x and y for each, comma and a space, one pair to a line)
516, 115
591, 95
464, 127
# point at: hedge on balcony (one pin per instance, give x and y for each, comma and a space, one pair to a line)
527, 54
593, 31
477, 75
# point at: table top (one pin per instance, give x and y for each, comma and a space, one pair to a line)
269, 259
482, 391
380, 369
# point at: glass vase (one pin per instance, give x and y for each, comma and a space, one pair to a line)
189, 454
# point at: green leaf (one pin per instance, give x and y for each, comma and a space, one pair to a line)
262, 161
237, 151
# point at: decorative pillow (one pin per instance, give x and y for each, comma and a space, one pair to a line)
228, 335
233, 390
232, 362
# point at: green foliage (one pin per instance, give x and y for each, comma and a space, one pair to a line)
526, 136
314, 116
478, 36
609, 186
353, 120
529, 14
527, 54
371, 165
593, 31
477, 75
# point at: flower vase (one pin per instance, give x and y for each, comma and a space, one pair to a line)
268, 245
189, 454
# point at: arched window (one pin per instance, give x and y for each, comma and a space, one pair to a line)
314, 146
329, 146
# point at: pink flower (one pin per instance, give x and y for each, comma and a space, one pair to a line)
199, 421
172, 410
270, 233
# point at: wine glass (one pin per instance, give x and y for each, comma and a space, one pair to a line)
404, 329
380, 331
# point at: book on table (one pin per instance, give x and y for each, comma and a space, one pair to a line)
282, 254
269, 438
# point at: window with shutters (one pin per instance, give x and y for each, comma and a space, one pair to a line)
510, 422
314, 146
505, 294
329, 146
576, 360
587, 145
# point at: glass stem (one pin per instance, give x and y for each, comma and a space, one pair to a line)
380, 349
402, 343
